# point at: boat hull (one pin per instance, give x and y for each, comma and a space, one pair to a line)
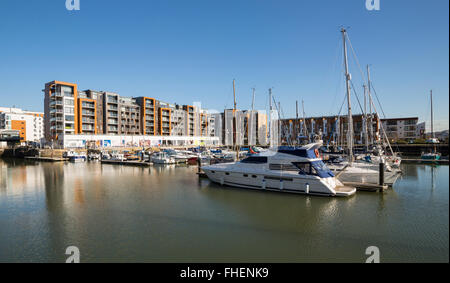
278, 183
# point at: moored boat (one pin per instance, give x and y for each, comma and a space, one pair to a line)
293, 170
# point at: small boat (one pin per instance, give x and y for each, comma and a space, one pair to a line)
162, 158
78, 157
94, 156
293, 170
434, 155
431, 156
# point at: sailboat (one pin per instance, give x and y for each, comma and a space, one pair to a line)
434, 155
354, 170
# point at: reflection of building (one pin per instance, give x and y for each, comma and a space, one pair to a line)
331, 128
29, 124
400, 128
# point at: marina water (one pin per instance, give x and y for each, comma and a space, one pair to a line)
167, 214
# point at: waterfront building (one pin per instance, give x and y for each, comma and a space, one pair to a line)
29, 124
242, 127
401, 128
330, 128
88, 113
421, 130
59, 110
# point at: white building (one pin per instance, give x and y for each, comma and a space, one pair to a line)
29, 124
400, 128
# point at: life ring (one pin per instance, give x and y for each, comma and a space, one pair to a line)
316, 151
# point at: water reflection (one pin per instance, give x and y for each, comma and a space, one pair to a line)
166, 213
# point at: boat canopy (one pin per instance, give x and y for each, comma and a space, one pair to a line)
306, 151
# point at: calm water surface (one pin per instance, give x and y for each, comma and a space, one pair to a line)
166, 214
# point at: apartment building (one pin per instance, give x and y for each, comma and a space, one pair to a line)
401, 128
130, 116
29, 124
241, 127
59, 110
110, 113
148, 110
330, 128
88, 113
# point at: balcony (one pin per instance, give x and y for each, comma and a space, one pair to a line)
88, 105
88, 113
89, 121
56, 111
56, 103
56, 94
56, 119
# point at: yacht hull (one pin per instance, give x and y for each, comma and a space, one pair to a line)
288, 183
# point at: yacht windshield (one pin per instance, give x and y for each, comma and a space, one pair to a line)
321, 169
314, 168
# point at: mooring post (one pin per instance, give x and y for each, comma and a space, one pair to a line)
199, 164
381, 174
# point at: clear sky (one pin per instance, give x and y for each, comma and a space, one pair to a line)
185, 51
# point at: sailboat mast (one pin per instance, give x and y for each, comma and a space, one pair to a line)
432, 128
296, 130
366, 135
369, 89
234, 120
304, 120
250, 138
350, 118
270, 117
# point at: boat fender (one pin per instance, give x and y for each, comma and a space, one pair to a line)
316, 151
264, 184
222, 181
307, 188
281, 185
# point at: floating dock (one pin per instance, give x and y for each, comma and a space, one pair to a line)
425, 161
127, 162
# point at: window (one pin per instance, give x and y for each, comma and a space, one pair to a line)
255, 159
68, 102
305, 167
68, 110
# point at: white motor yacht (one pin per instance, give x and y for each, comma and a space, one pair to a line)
162, 158
293, 170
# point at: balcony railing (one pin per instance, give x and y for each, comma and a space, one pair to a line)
90, 113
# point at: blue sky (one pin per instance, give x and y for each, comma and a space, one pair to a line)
185, 51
